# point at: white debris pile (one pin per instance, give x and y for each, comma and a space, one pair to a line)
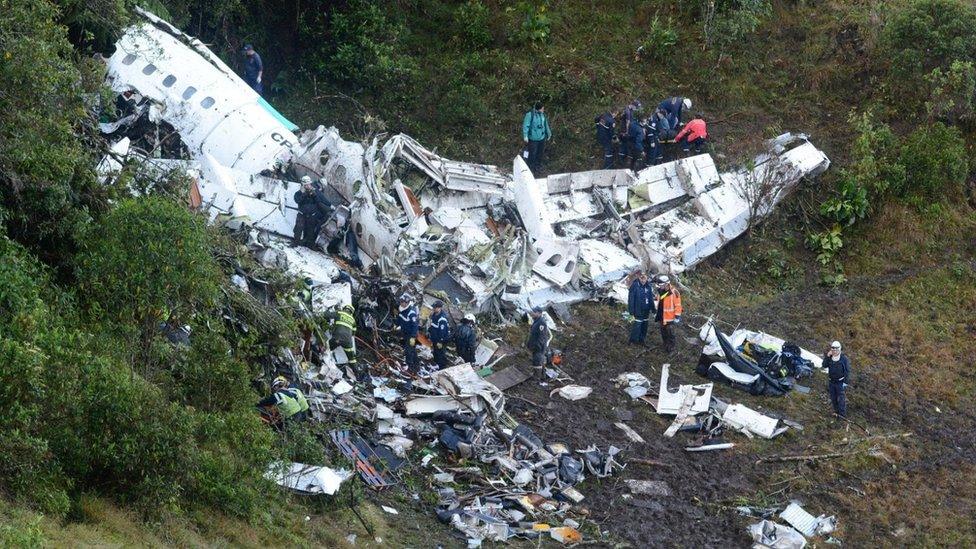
801, 526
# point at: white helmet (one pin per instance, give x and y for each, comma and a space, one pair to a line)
835, 345
306, 180
662, 279
687, 103
469, 317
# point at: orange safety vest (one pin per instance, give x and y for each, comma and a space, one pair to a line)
671, 301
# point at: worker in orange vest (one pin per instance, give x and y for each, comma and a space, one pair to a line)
694, 133
667, 302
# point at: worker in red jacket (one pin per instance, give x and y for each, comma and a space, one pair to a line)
694, 133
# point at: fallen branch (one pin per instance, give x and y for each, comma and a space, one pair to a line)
649, 462
811, 457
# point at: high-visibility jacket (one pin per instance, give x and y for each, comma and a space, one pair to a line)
346, 320
290, 402
671, 304
693, 130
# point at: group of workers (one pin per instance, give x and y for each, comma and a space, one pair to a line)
641, 136
439, 333
660, 300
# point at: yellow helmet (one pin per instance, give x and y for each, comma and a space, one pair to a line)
279, 381
348, 308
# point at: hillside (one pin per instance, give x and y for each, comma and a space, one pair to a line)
114, 437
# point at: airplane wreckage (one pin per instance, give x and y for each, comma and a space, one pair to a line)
480, 238
488, 240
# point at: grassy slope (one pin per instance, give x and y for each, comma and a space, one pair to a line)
803, 71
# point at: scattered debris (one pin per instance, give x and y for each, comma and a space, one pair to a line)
743, 418
390, 510
630, 433
572, 392
308, 479
482, 240
807, 524
768, 534
648, 487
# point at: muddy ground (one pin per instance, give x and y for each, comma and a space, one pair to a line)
707, 486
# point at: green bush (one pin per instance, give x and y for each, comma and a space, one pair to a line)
534, 21
472, 19
659, 41
46, 181
148, 258
362, 49
951, 92
727, 22
921, 35
935, 161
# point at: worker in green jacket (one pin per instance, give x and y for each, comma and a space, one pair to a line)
289, 401
535, 133
343, 333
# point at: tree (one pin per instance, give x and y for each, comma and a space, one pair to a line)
146, 260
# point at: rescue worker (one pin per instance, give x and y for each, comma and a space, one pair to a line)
535, 133
694, 133
655, 129
253, 69
344, 333
289, 401
667, 306
673, 108
635, 140
439, 332
408, 325
838, 370
313, 209
626, 143
640, 305
604, 136
538, 342
466, 339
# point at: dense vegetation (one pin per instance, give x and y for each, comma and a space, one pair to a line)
96, 401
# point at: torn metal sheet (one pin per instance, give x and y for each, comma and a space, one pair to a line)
463, 381
308, 479
743, 418
668, 402
530, 201
508, 378
212, 108
605, 263
557, 260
